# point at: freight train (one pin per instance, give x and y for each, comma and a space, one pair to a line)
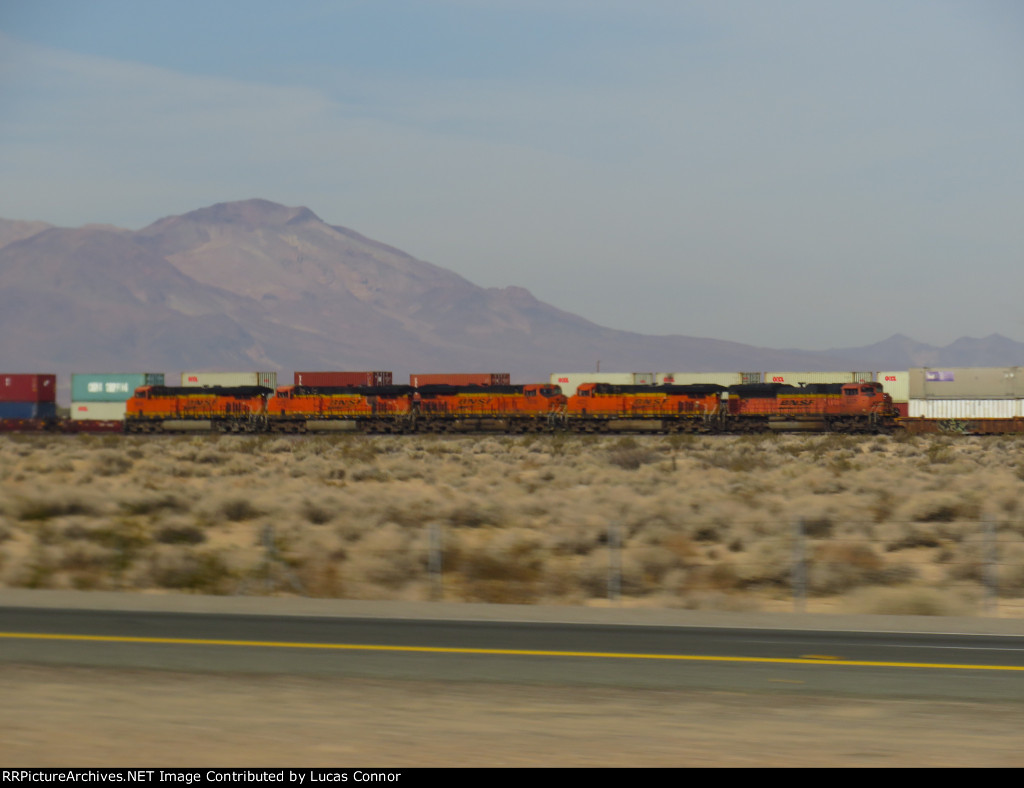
537, 407
368, 402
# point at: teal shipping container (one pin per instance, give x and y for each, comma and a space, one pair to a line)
111, 386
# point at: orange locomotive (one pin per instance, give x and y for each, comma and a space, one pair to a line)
534, 407
437, 408
839, 407
606, 407
369, 408
836, 407
226, 408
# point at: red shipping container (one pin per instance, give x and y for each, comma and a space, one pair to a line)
462, 379
28, 388
343, 378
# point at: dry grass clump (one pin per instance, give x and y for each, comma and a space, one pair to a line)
180, 569
684, 521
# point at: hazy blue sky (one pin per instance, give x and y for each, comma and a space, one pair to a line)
787, 173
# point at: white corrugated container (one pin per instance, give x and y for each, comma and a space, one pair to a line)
268, 379
692, 378
798, 378
99, 411
570, 381
896, 384
643, 378
965, 408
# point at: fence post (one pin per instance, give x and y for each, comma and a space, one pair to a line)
614, 563
799, 567
434, 559
991, 573
270, 555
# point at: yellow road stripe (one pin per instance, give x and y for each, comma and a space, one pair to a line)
500, 651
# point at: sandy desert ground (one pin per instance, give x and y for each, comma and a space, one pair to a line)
95, 717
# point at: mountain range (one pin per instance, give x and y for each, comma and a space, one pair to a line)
256, 285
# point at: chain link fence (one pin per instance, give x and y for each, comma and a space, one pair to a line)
960, 568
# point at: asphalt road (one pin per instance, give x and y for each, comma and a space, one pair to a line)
946, 660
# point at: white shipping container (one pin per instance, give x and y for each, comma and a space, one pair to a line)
967, 383
643, 378
692, 378
99, 411
896, 384
570, 381
268, 379
965, 408
798, 378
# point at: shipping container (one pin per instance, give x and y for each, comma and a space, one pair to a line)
644, 378
963, 409
750, 377
896, 384
268, 379
864, 377
98, 411
800, 378
462, 379
692, 378
343, 379
570, 381
966, 383
28, 410
27, 388
111, 387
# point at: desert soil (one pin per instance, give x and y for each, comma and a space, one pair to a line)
98, 717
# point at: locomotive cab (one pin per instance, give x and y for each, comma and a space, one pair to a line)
542, 390
867, 401
864, 397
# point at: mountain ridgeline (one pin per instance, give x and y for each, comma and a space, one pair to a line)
256, 285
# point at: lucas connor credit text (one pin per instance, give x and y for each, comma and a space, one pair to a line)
190, 776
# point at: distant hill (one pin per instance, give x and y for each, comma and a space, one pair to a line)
257, 285
902, 352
